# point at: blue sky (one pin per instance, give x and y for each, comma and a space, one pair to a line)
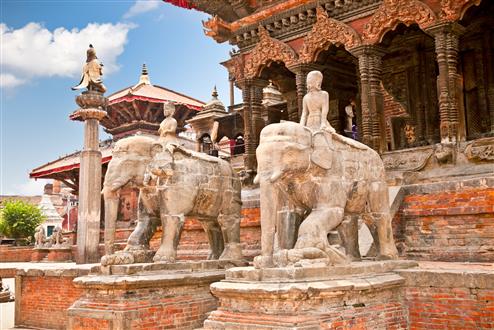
43, 47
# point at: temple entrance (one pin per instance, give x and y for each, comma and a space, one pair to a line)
341, 81
410, 94
282, 80
477, 68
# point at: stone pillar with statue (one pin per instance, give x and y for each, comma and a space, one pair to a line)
92, 104
326, 182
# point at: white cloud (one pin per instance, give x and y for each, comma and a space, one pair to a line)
9, 80
33, 51
29, 188
142, 6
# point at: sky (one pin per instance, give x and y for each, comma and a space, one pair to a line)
43, 47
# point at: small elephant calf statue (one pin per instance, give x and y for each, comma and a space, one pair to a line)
173, 183
313, 182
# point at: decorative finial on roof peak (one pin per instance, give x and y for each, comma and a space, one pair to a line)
215, 103
144, 78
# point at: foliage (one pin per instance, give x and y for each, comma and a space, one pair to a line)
19, 219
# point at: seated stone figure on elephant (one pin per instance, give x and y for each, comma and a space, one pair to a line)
173, 183
313, 181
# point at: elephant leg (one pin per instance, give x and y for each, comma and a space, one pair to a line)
230, 228
112, 199
172, 229
348, 231
215, 239
379, 221
269, 207
312, 242
146, 227
313, 232
287, 228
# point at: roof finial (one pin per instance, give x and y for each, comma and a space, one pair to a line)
215, 93
144, 78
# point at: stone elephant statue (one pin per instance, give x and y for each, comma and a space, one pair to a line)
313, 182
173, 183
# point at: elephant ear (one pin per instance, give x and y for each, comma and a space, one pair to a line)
322, 154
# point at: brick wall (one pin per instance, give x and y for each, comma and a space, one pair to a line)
449, 299
450, 222
43, 297
10, 253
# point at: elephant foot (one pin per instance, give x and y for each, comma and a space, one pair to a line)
119, 258
232, 251
130, 255
388, 256
164, 255
263, 262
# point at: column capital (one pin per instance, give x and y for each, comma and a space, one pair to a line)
245, 82
91, 113
304, 68
368, 50
446, 27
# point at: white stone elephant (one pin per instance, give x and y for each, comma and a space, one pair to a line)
313, 182
173, 183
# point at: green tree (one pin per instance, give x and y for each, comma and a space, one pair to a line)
19, 219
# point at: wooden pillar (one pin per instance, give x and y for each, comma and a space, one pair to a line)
231, 80
253, 122
373, 129
446, 38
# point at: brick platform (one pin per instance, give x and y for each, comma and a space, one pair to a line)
44, 295
450, 296
358, 296
450, 221
152, 296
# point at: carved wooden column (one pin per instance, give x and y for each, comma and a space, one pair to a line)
446, 37
231, 81
301, 71
373, 129
253, 122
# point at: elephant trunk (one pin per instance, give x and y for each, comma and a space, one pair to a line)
112, 199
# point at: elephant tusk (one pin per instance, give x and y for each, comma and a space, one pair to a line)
256, 179
275, 176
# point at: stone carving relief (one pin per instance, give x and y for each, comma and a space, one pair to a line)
268, 49
393, 12
326, 31
312, 181
452, 10
39, 236
481, 150
173, 183
407, 160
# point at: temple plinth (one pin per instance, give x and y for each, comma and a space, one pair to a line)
88, 226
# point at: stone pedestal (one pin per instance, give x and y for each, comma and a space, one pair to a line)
88, 226
147, 296
364, 295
